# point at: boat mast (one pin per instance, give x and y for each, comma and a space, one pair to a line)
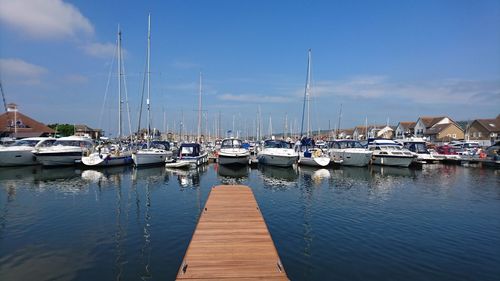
148, 100
199, 113
338, 124
306, 98
119, 83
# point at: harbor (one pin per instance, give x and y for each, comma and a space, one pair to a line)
346, 223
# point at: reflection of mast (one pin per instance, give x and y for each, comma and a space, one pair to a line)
119, 233
146, 248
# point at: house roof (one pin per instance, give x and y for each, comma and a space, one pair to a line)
491, 125
347, 131
436, 129
407, 124
27, 127
429, 121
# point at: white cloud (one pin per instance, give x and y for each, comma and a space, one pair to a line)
100, 50
450, 91
21, 68
44, 18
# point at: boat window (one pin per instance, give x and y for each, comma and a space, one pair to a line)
187, 150
231, 144
31, 143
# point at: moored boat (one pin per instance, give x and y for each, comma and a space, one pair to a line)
105, 156
64, 151
390, 153
192, 153
21, 152
277, 153
349, 153
232, 152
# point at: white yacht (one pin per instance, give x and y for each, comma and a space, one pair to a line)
64, 151
192, 153
232, 152
21, 152
419, 147
311, 155
390, 153
277, 153
154, 153
349, 153
109, 155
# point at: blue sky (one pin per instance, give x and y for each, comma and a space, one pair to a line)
383, 60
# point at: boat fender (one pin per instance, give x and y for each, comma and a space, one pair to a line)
317, 153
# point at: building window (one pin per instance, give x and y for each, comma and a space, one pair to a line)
478, 134
454, 136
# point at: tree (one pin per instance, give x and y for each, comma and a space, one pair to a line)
63, 129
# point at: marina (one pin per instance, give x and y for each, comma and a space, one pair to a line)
345, 223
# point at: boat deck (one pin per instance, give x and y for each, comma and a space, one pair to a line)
231, 240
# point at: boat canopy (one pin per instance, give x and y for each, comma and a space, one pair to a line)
231, 143
342, 144
276, 144
190, 149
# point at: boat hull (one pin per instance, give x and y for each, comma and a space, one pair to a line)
321, 161
195, 160
233, 159
150, 157
277, 160
17, 158
106, 160
351, 157
392, 160
58, 158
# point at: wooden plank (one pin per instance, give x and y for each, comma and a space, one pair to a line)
231, 241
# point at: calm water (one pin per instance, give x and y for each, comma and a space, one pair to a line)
437, 223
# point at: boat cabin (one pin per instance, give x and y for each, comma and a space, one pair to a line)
277, 144
189, 150
343, 144
231, 143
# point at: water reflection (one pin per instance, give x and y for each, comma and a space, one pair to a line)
315, 176
279, 177
393, 171
232, 174
150, 174
189, 178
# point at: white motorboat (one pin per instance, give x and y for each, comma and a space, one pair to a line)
390, 153
277, 153
104, 156
155, 153
419, 147
192, 153
233, 153
310, 155
64, 151
349, 153
21, 152
177, 164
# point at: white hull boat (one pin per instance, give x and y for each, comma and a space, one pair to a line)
21, 152
178, 165
232, 153
65, 151
314, 158
151, 156
277, 153
107, 159
389, 153
192, 153
349, 153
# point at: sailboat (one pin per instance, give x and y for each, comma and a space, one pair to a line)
309, 154
150, 154
112, 154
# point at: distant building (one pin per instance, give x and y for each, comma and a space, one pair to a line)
86, 131
444, 132
373, 131
345, 134
405, 129
485, 131
425, 123
17, 125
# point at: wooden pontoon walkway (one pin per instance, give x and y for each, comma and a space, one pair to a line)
231, 241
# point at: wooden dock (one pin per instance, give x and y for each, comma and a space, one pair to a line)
231, 240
